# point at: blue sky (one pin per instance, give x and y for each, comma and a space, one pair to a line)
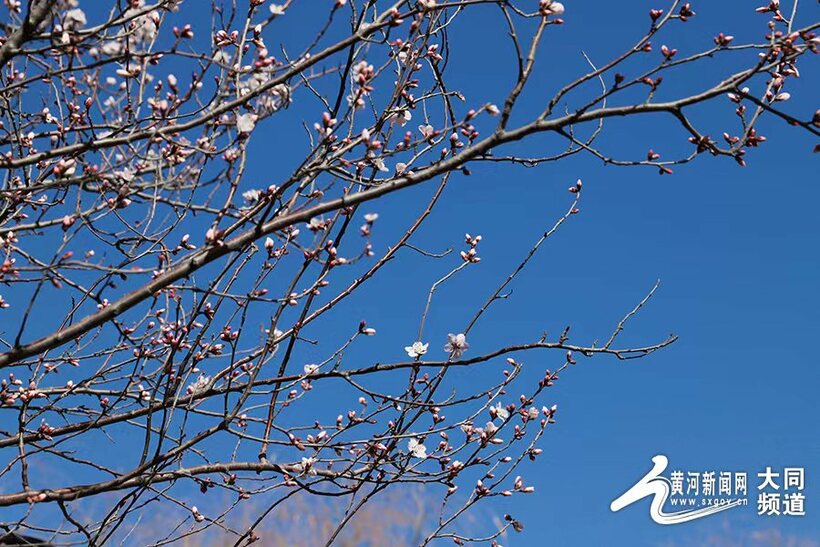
735, 249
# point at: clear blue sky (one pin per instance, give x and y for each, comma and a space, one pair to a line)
736, 250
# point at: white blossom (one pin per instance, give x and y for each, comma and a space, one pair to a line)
426, 131
456, 345
251, 196
199, 385
416, 350
245, 123
306, 466
316, 224
379, 164
401, 117
277, 9
500, 411
417, 449
74, 18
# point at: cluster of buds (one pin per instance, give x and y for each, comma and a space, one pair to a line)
668, 52
274, 251
722, 40
8, 269
433, 54
45, 431
172, 336
222, 38
184, 243
326, 127
212, 349
8, 396
518, 486
772, 7
480, 489
144, 394
471, 255
65, 168
549, 413
119, 202
370, 142
652, 83
737, 97
685, 12
774, 97
319, 438
703, 144
549, 379
468, 130
228, 335
184, 33
362, 73
29, 393
333, 257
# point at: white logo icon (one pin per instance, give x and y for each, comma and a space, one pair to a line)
660, 488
